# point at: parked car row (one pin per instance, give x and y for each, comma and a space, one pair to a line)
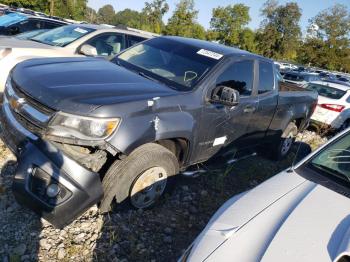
300, 74
16, 23
88, 131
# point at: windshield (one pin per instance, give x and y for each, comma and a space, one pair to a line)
172, 62
30, 34
326, 91
335, 159
62, 36
11, 19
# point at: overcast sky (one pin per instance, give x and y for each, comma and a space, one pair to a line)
309, 8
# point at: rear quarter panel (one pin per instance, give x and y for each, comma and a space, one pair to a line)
293, 105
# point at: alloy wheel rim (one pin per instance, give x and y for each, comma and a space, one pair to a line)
287, 144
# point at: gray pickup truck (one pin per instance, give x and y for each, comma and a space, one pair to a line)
88, 131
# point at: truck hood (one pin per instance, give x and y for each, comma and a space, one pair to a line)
297, 220
81, 85
13, 42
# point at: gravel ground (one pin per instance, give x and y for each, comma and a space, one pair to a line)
158, 234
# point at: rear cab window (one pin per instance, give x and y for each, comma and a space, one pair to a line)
266, 77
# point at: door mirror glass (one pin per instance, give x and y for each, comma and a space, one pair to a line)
225, 95
88, 50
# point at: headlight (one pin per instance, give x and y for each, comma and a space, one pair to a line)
86, 128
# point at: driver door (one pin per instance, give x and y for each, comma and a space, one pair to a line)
224, 127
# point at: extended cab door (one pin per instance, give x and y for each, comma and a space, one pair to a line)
267, 95
222, 125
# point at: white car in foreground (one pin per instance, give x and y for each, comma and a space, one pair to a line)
333, 108
301, 214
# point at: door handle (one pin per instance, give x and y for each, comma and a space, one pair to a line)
249, 109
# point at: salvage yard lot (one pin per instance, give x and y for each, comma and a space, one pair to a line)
158, 234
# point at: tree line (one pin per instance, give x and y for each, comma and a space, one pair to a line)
279, 36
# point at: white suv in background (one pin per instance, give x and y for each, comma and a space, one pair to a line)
333, 108
67, 41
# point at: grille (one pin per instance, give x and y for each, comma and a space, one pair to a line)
32, 102
27, 118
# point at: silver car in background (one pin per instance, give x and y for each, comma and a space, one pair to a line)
67, 41
301, 214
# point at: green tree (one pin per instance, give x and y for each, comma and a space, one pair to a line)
130, 18
106, 15
37, 5
279, 35
247, 40
73, 9
198, 31
230, 23
327, 44
153, 15
183, 22
90, 15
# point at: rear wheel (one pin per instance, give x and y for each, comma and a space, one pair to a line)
139, 179
285, 143
345, 125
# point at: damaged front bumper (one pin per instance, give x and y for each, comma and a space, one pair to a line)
46, 180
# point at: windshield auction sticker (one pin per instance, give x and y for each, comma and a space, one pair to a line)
210, 54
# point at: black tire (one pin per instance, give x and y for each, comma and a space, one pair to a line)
122, 176
344, 126
281, 150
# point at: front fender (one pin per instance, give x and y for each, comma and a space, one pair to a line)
143, 129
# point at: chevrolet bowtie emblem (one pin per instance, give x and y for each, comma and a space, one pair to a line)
16, 104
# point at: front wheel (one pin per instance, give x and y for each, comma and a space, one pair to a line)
139, 179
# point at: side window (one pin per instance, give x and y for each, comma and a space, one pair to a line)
108, 44
134, 40
238, 76
266, 79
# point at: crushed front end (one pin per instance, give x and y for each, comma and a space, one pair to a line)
48, 179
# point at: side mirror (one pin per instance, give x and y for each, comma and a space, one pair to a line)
88, 50
225, 95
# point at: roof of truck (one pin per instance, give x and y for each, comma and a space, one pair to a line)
214, 47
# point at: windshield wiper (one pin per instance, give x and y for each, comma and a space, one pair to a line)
332, 172
149, 77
